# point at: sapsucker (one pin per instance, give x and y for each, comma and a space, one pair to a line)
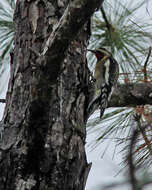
106, 75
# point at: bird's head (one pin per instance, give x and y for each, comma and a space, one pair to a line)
100, 53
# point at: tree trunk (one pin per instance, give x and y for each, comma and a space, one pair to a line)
45, 115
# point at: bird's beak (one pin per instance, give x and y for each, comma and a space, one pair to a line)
93, 51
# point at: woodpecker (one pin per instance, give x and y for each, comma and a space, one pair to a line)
106, 75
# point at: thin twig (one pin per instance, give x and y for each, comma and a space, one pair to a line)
132, 168
145, 65
105, 19
133, 180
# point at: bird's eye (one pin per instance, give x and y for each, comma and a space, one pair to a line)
99, 55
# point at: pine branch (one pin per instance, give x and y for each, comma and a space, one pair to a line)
131, 95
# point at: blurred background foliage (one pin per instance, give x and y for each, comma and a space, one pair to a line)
7, 8
117, 28
6, 27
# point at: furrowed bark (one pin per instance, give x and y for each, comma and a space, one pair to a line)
44, 121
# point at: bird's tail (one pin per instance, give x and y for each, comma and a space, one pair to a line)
101, 100
94, 104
